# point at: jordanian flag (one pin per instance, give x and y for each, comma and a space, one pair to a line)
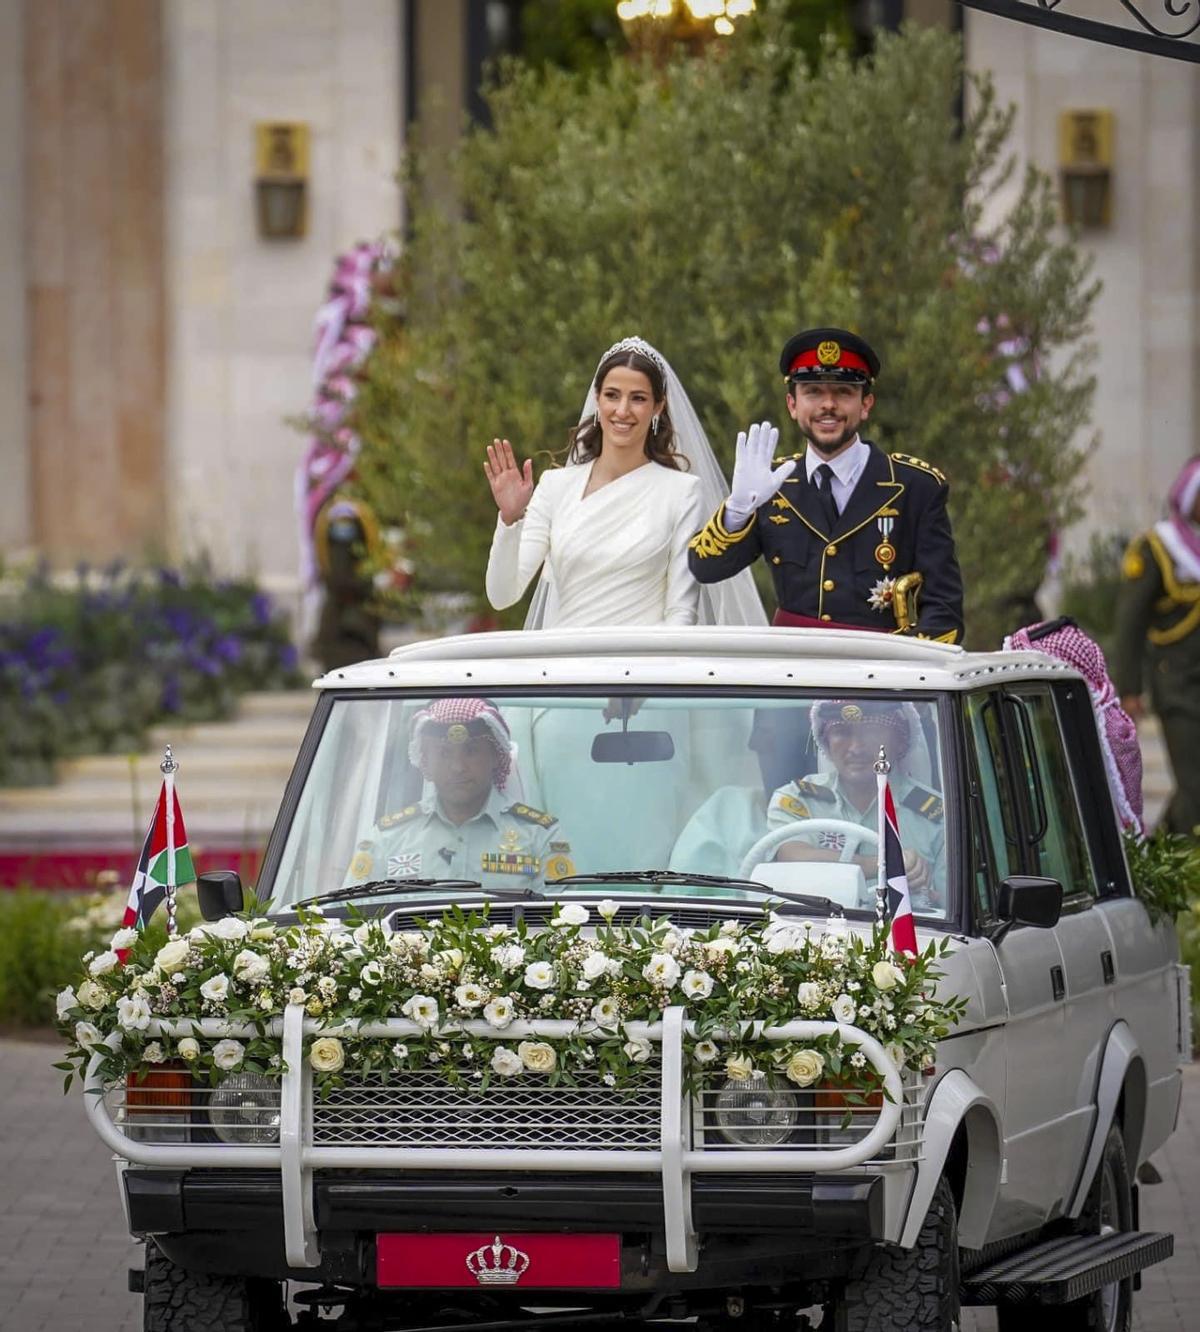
893, 877
165, 860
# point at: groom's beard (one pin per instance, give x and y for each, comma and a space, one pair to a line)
827, 447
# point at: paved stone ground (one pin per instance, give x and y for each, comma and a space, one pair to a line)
64, 1250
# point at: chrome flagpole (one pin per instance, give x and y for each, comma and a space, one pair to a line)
882, 768
169, 767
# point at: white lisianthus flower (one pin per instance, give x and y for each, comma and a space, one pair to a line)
328, 1055
133, 1012
172, 955
595, 965
662, 970
449, 959
228, 1054
715, 949
508, 957
469, 995
808, 995
251, 967
608, 908
786, 940
87, 1035
495, 933
739, 1067
574, 913
537, 1056
606, 1012
843, 1008
730, 929
422, 1009
371, 974
228, 929
637, 1051
499, 1011
362, 934
539, 975
216, 988
296, 995
895, 1052
92, 996
704, 1052
103, 963
669, 942
188, 1048
153, 1053
124, 938
886, 975
506, 1062
697, 984
805, 1067
416, 941
65, 1000
328, 987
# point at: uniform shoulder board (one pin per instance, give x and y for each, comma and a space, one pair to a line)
814, 790
400, 816
925, 803
531, 815
909, 461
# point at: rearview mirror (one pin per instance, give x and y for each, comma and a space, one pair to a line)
633, 747
220, 893
1025, 899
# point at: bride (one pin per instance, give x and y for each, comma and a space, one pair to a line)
610, 530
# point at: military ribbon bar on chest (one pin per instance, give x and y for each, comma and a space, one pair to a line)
885, 552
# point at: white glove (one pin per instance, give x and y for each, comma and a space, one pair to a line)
753, 480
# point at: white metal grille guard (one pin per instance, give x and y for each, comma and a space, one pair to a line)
296, 1158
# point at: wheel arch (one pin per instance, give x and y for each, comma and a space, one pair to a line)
1121, 1094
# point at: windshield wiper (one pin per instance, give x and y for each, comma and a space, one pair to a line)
378, 885
675, 877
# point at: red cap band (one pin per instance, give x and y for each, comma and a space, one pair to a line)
847, 360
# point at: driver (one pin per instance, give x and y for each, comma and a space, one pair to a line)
850, 735
467, 826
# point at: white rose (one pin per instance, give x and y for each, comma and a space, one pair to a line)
885, 975
172, 955
297, 996
731, 928
416, 941
65, 1000
606, 1012
715, 949
154, 1053
595, 965
537, 1056
805, 1067
469, 995
808, 994
508, 957
215, 988
251, 967
371, 974
133, 1013
499, 1012
103, 963
843, 1008
497, 932
739, 1067
704, 1052
87, 1035
449, 959
228, 1054
188, 1048
421, 1009
895, 1052
574, 913
608, 908
431, 973
506, 1062
327, 1055
788, 940
124, 938
92, 995
539, 975
661, 970
362, 935
697, 984
261, 931
228, 928
669, 942
638, 1051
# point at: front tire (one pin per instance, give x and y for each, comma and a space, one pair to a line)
176, 1300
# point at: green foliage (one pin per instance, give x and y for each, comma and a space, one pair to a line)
87, 666
714, 206
1166, 872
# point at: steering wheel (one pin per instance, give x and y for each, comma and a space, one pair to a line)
854, 833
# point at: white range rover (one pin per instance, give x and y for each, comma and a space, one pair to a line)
668, 772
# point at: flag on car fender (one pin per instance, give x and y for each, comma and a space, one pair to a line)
892, 873
166, 860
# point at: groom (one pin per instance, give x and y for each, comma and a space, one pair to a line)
851, 520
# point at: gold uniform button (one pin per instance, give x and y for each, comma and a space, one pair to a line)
830, 550
827, 617
775, 559
828, 585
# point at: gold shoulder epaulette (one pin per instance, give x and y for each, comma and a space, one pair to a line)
390, 820
814, 790
925, 803
531, 815
909, 461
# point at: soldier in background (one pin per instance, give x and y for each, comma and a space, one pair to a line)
348, 625
1158, 627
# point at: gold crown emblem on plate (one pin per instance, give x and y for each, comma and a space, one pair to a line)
852, 712
829, 352
457, 734
497, 1264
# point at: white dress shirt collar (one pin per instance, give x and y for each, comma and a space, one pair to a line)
848, 467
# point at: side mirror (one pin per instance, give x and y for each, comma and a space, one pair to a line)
1025, 899
220, 893
633, 747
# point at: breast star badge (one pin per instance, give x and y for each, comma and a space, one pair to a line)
881, 594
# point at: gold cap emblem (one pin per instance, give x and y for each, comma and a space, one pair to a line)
852, 713
457, 734
829, 352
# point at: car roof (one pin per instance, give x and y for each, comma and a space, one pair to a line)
691, 656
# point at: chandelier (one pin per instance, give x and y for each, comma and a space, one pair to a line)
687, 15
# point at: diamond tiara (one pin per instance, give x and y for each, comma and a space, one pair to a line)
639, 345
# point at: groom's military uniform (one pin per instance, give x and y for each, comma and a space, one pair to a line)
841, 570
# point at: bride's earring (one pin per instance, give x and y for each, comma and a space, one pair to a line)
654, 423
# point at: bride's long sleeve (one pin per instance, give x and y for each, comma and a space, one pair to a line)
683, 592
518, 552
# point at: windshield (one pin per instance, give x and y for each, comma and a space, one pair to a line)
520, 792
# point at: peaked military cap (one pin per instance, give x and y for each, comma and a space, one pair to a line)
828, 353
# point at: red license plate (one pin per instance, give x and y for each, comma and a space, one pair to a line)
487, 1261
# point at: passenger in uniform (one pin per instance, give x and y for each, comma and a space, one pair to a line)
841, 522
1158, 638
851, 734
468, 826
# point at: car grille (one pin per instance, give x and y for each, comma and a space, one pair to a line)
419, 1109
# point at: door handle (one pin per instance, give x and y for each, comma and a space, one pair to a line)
1107, 966
1058, 984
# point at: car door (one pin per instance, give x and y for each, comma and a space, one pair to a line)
1025, 974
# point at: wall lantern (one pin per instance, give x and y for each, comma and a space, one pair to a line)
1085, 156
281, 180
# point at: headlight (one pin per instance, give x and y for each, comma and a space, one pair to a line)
756, 1111
244, 1110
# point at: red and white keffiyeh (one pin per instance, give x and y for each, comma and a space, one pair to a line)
447, 712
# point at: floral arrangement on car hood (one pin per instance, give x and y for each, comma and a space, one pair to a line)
463, 983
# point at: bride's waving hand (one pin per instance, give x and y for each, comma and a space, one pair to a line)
511, 484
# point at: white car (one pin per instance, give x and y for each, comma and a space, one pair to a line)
661, 764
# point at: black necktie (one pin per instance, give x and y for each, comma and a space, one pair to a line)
824, 477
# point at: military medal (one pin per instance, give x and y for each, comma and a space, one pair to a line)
885, 552
881, 594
